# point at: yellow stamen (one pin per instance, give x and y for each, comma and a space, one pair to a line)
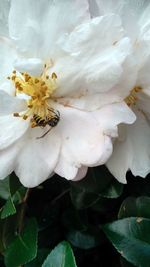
40, 90
133, 98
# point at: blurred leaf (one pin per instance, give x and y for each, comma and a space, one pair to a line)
138, 187
17, 190
8, 209
61, 256
4, 188
131, 238
41, 256
113, 190
89, 190
84, 239
18, 197
135, 207
106, 208
125, 263
10, 187
96, 180
8, 229
14, 184
24, 247
81, 198
75, 219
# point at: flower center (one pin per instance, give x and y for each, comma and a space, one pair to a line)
133, 98
38, 91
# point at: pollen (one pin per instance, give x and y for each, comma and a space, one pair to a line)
39, 91
133, 97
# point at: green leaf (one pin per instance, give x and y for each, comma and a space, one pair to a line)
85, 239
113, 190
135, 207
8, 209
61, 256
24, 247
131, 238
4, 188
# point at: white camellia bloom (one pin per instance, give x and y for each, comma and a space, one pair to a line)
58, 111
132, 148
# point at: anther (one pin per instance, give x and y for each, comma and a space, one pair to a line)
13, 77
27, 78
19, 87
25, 117
33, 124
17, 84
54, 76
45, 88
42, 83
30, 106
16, 114
36, 80
14, 71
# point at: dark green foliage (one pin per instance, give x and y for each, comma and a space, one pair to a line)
131, 238
94, 222
24, 247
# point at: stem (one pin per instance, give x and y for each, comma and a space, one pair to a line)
22, 213
60, 196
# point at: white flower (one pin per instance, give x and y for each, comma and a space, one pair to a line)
58, 111
132, 149
4, 11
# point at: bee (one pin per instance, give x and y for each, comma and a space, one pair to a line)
51, 120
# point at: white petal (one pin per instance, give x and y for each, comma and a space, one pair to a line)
144, 101
110, 116
8, 159
33, 66
36, 31
83, 142
95, 57
117, 94
37, 159
8, 87
119, 162
101, 7
10, 104
66, 167
11, 129
143, 76
7, 57
134, 14
4, 11
81, 173
132, 151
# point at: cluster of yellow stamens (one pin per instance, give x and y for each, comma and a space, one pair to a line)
133, 98
39, 91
